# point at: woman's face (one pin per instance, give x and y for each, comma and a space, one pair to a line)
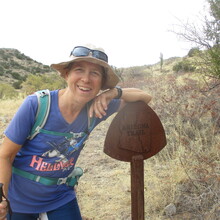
84, 79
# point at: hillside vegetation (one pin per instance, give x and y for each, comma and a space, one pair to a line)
16, 66
20, 72
182, 182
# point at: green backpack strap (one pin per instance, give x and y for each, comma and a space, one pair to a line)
71, 135
43, 110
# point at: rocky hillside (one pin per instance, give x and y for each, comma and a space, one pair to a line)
15, 66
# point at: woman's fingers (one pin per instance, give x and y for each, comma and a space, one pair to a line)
100, 104
98, 107
3, 210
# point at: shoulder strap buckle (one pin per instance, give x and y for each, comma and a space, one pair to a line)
42, 93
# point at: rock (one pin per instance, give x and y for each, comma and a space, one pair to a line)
170, 210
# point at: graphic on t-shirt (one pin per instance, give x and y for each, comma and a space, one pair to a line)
61, 155
63, 150
39, 164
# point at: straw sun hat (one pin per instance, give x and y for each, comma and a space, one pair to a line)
111, 77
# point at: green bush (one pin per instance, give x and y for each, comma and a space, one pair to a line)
193, 52
8, 73
17, 84
15, 75
1, 71
36, 70
20, 56
183, 66
34, 83
5, 65
4, 55
15, 65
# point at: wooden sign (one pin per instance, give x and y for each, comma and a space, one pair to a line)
134, 135
135, 130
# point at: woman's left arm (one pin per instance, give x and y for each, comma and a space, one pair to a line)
100, 103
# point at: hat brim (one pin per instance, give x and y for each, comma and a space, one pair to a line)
111, 77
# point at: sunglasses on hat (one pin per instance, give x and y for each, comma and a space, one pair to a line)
81, 51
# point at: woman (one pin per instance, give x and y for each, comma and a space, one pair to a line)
90, 93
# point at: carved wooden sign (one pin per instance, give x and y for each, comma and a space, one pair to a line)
135, 130
134, 135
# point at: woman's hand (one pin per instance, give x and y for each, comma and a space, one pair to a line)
3, 210
100, 103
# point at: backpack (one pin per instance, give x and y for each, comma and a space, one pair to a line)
44, 101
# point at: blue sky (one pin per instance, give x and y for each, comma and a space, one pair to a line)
132, 32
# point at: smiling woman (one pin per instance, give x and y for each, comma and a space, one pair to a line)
44, 165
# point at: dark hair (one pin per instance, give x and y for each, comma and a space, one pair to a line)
68, 67
104, 76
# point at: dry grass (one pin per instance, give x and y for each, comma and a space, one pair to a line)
7, 110
9, 107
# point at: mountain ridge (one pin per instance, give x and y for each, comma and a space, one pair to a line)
16, 66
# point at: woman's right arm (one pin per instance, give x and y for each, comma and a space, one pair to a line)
8, 151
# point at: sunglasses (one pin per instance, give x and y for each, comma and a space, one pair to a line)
81, 51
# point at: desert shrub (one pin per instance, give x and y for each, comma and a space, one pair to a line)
15, 75
20, 56
17, 84
15, 65
183, 66
38, 82
193, 51
36, 70
5, 65
7, 91
8, 72
4, 56
1, 71
136, 72
46, 69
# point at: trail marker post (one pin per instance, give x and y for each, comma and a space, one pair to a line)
135, 134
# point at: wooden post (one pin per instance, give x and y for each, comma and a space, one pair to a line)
135, 135
137, 187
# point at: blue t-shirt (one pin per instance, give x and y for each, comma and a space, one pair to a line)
45, 155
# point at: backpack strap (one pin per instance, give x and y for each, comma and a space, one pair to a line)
43, 110
70, 180
44, 101
71, 135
